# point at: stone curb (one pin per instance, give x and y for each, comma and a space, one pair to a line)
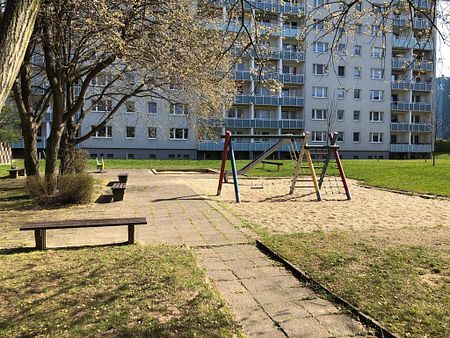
381, 331
408, 193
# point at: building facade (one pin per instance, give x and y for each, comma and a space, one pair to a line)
443, 107
375, 89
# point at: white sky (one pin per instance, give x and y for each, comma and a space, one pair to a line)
443, 49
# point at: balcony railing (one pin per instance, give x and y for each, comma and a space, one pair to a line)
246, 75
407, 63
409, 43
269, 100
238, 146
263, 123
417, 22
272, 53
417, 86
422, 4
416, 127
410, 148
413, 106
285, 7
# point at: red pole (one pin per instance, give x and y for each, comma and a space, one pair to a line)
342, 173
224, 161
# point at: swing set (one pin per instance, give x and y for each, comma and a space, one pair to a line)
316, 157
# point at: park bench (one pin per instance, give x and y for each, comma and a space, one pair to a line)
41, 227
123, 177
118, 190
13, 173
278, 164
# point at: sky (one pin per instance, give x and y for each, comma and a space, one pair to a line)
443, 49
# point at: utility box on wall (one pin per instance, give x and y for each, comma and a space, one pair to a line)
5, 153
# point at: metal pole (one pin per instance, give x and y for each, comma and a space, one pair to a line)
235, 176
224, 162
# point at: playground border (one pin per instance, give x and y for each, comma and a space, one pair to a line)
381, 331
408, 193
175, 171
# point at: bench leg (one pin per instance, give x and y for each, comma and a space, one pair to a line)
131, 234
41, 239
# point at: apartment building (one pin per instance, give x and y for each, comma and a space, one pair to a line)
443, 107
375, 89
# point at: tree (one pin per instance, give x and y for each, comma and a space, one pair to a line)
136, 48
9, 124
16, 26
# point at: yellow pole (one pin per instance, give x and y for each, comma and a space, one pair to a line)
313, 174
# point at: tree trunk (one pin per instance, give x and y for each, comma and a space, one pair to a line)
30, 150
16, 26
52, 151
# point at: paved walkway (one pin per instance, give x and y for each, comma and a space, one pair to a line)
266, 298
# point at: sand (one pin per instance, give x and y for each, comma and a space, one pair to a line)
273, 209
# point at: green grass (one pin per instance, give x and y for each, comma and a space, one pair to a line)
404, 286
139, 291
408, 175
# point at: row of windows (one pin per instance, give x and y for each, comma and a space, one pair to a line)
130, 132
102, 106
324, 47
130, 156
322, 69
322, 93
321, 115
321, 136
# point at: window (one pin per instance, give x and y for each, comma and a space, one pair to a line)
290, 70
377, 73
341, 71
101, 106
101, 80
152, 156
340, 93
319, 114
320, 69
357, 94
358, 29
357, 50
376, 30
319, 136
358, 6
110, 156
320, 47
185, 157
357, 72
320, 92
171, 156
377, 95
130, 106
356, 114
341, 48
340, 136
318, 24
177, 109
130, 132
376, 116
178, 133
318, 3
151, 132
151, 107
377, 52
105, 132
130, 156
356, 137
340, 114
376, 137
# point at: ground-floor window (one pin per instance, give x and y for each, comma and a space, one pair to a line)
178, 133
376, 137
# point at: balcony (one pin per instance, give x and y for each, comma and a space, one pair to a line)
406, 85
422, 4
410, 148
271, 53
263, 123
404, 21
407, 127
409, 43
291, 78
238, 146
272, 6
413, 106
41, 144
269, 100
246, 75
407, 63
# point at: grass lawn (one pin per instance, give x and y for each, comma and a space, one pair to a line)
117, 291
404, 285
408, 175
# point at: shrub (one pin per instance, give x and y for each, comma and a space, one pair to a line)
73, 161
70, 189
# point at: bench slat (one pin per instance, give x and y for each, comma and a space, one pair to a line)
84, 223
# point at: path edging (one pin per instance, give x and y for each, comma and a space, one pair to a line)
381, 331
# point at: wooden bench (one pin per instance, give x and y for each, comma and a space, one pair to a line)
41, 227
123, 177
278, 164
118, 190
13, 173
